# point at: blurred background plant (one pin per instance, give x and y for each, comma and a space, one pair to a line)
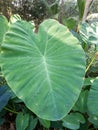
68, 12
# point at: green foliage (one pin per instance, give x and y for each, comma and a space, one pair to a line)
22, 121
81, 7
51, 56
3, 27
89, 33
73, 120
32, 123
69, 22
93, 98
45, 123
94, 120
46, 71
81, 104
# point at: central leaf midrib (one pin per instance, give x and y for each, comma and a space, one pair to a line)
49, 81
47, 73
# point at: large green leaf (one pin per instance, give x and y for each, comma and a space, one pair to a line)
93, 98
45, 70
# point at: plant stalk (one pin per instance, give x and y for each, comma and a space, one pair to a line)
91, 62
10, 110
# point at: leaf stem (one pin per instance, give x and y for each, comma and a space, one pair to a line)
91, 62
12, 111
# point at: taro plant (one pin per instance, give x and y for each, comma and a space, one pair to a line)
45, 70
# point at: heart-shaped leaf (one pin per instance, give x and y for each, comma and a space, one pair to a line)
45, 70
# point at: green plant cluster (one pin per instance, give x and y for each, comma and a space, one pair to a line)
48, 79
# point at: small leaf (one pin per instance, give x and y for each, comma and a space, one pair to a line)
88, 81
32, 123
73, 120
93, 119
69, 22
81, 104
80, 118
22, 121
45, 123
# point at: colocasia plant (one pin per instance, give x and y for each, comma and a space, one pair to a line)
45, 76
